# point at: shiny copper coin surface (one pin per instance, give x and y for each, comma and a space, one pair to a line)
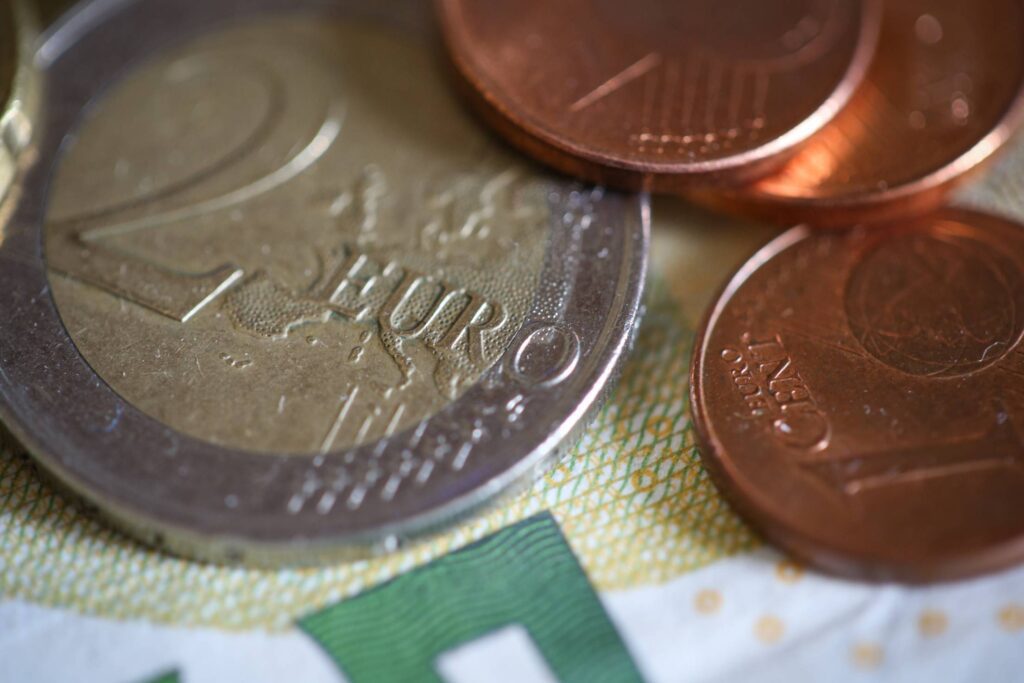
858, 396
944, 93
654, 94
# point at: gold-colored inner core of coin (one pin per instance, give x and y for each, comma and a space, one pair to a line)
287, 237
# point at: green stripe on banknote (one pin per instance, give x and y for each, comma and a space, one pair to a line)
524, 575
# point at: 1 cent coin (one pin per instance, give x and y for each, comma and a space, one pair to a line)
943, 94
858, 398
656, 94
272, 296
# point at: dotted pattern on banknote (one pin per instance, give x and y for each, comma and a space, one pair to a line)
632, 499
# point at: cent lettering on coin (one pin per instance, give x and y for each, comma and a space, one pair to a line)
295, 308
945, 91
857, 396
19, 86
657, 94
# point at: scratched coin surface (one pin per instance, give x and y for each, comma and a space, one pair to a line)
19, 86
296, 304
945, 91
857, 396
659, 93
264, 219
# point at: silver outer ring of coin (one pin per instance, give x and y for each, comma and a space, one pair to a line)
169, 489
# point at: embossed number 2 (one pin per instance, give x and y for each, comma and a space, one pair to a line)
172, 293
80, 253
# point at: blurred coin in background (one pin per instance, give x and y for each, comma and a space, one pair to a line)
657, 94
944, 93
19, 86
8, 50
50, 11
297, 305
857, 396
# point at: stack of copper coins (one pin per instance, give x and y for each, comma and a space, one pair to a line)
856, 385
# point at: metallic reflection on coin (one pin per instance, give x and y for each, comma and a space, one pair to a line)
857, 396
311, 309
19, 86
655, 94
946, 90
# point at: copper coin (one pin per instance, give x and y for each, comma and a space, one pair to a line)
858, 396
944, 92
654, 94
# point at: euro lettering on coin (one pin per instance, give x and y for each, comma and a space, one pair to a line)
295, 305
659, 94
857, 396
